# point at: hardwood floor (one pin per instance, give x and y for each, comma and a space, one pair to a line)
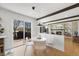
54, 52
48, 52
71, 48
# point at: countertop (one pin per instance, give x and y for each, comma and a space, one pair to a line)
2, 36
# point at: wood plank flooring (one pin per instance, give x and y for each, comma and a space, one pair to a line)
49, 52
71, 48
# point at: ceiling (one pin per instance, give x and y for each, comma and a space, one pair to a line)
41, 9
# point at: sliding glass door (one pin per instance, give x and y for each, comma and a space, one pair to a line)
28, 30
22, 30
18, 32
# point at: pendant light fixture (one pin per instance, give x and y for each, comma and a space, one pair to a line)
39, 24
33, 8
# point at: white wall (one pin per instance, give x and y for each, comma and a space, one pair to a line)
57, 41
7, 21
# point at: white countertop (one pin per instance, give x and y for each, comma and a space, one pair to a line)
2, 36
42, 39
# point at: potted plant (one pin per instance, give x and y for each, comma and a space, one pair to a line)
76, 33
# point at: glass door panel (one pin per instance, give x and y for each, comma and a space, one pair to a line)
18, 32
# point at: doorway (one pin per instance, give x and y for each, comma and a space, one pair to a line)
71, 45
22, 30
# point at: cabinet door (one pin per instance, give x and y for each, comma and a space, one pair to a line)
1, 46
